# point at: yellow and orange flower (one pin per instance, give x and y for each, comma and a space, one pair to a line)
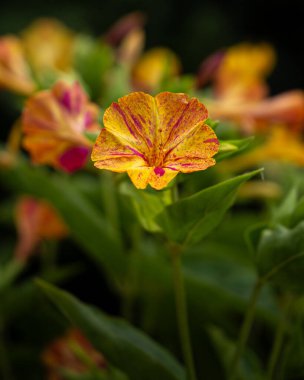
74, 353
153, 67
48, 44
14, 71
242, 71
36, 220
55, 123
286, 109
155, 138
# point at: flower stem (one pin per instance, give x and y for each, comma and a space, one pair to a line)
182, 315
5, 369
278, 341
245, 329
109, 197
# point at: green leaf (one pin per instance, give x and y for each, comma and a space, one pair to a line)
188, 221
87, 225
280, 257
9, 272
92, 60
229, 148
250, 365
298, 213
212, 123
283, 213
123, 345
117, 84
146, 205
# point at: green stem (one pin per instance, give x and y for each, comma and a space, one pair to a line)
130, 283
249, 316
109, 197
182, 315
174, 192
278, 341
245, 329
5, 369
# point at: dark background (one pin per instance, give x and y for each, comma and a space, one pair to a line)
192, 28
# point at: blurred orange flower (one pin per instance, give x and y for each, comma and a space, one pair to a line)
242, 70
55, 123
14, 71
73, 353
48, 44
286, 108
153, 67
154, 138
36, 220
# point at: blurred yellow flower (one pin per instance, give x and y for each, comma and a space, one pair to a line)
55, 123
154, 138
48, 44
14, 71
153, 67
73, 353
242, 71
36, 220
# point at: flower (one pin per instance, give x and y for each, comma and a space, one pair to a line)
155, 138
48, 45
286, 109
72, 353
242, 70
127, 37
36, 220
55, 123
14, 71
153, 67
121, 28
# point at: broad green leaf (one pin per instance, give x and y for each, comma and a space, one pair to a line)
191, 219
146, 205
124, 346
280, 257
87, 226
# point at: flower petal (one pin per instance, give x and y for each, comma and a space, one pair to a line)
178, 116
158, 178
132, 120
14, 71
45, 148
195, 152
111, 154
74, 158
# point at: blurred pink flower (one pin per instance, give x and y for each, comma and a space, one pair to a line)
36, 220
73, 353
56, 123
